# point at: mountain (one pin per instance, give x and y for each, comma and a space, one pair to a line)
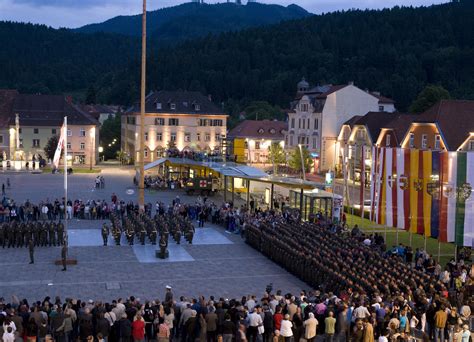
37, 58
395, 51
192, 20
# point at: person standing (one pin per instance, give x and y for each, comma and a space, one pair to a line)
440, 319
64, 256
330, 326
31, 248
310, 327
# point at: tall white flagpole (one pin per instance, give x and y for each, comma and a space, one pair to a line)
66, 238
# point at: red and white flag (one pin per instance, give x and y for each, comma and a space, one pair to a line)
57, 154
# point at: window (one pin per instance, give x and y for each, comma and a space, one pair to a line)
437, 142
53, 131
424, 140
173, 122
82, 132
1, 139
35, 130
292, 122
218, 137
187, 137
173, 106
36, 143
21, 143
82, 146
19, 131
69, 133
217, 122
315, 143
316, 123
197, 107
207, 137
307, 125
159, 121
173, 137
387, 140
158, 105
299, 123
145, 152
146, 136
360, 133
291, 140
471, 145
304, 107
381, 108
198, 136
159, 136
412, 140
257, 145
69, 146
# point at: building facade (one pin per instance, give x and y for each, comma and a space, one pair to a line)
447, 126
32, 120
256, 137
317, 115
187, 121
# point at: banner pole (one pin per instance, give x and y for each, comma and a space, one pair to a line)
66, 238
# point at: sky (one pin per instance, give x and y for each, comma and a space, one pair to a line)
76, 13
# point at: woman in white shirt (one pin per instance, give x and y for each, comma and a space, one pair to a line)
285, 330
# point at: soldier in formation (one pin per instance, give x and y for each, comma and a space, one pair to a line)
18, 234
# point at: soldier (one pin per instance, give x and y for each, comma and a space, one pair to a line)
11, 234
177, 236
64, 256
190, 235
60, 229
105, 233
43, 235
117, 235
153, 235
130, 235
31, 247
19, 236
36, 233
52, 234
2, 235
142, 236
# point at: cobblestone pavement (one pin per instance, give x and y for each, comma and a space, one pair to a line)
228, 270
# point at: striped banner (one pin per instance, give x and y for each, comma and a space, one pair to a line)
425, 192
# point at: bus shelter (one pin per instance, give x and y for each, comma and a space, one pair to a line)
315, 201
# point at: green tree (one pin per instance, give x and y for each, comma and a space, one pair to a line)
276, 155
110, 135
91, 96
51, 146
261, 110
295, 159
429, 96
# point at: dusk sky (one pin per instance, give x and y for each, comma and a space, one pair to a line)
76, 13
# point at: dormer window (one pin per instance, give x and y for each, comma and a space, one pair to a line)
173, 106
197, 107
272, 131
185, 104
261, 130
158, 105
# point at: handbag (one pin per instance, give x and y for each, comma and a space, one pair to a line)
261, 329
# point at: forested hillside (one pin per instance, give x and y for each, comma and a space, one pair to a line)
396, 51
191, 20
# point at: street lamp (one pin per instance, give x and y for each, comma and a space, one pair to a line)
302, 162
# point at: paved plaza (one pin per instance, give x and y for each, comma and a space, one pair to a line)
218, 263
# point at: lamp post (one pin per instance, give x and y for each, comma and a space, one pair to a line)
302, 162
92, 135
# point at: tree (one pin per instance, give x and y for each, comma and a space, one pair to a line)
429, 96
261, 110
91, 96
295, 159
110, 135
276, 155
51, 146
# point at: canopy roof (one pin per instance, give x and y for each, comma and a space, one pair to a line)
231, 169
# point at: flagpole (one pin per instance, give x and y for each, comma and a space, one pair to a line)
66, 240
141, 185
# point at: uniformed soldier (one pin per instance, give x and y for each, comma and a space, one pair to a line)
31, 248
52, 234
142, 236
60, 230
105, 233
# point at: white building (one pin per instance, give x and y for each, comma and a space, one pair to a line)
186, 120
317, 115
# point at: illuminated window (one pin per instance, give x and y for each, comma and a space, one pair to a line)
437, 142
424, 141
412, 140
173, 137
36, 143
82, 132
82, 146
387, 140
159, 136
159, 121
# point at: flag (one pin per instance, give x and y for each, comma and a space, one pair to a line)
57, 153
362, 181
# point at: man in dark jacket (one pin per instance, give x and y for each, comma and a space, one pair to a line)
124, 327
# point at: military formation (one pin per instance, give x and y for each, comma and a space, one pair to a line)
326, 260
141, 228
43, 234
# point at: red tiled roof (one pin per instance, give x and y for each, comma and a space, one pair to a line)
262, 129
382, 99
